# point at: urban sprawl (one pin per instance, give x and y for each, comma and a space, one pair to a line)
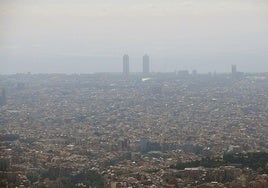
134, 130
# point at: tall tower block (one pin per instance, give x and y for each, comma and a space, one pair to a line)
234, 70
126, 65
3, 97
146, 64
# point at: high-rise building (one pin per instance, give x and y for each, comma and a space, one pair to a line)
234, 71
126, 65
146, 64
3, 97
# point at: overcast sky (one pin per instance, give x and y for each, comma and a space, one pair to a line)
85, 36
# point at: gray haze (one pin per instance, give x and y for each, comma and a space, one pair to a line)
84, 36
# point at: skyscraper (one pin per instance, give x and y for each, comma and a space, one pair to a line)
145, 63
234, 71
3, 97
126, 65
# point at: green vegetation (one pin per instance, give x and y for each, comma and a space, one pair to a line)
9, 137
252, 160
4, 164
32, 176
88, 178
152, 171
205, 162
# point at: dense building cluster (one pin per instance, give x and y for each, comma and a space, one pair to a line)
131, 130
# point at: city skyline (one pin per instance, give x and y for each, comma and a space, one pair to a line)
170, 65
145, 65
84, 37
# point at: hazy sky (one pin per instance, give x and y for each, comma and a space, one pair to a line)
83, 36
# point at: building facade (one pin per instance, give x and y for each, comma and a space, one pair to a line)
126, 65
146, 64
234, 70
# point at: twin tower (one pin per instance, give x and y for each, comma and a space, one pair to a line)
145, 64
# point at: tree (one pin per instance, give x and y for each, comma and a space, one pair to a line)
4, 164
